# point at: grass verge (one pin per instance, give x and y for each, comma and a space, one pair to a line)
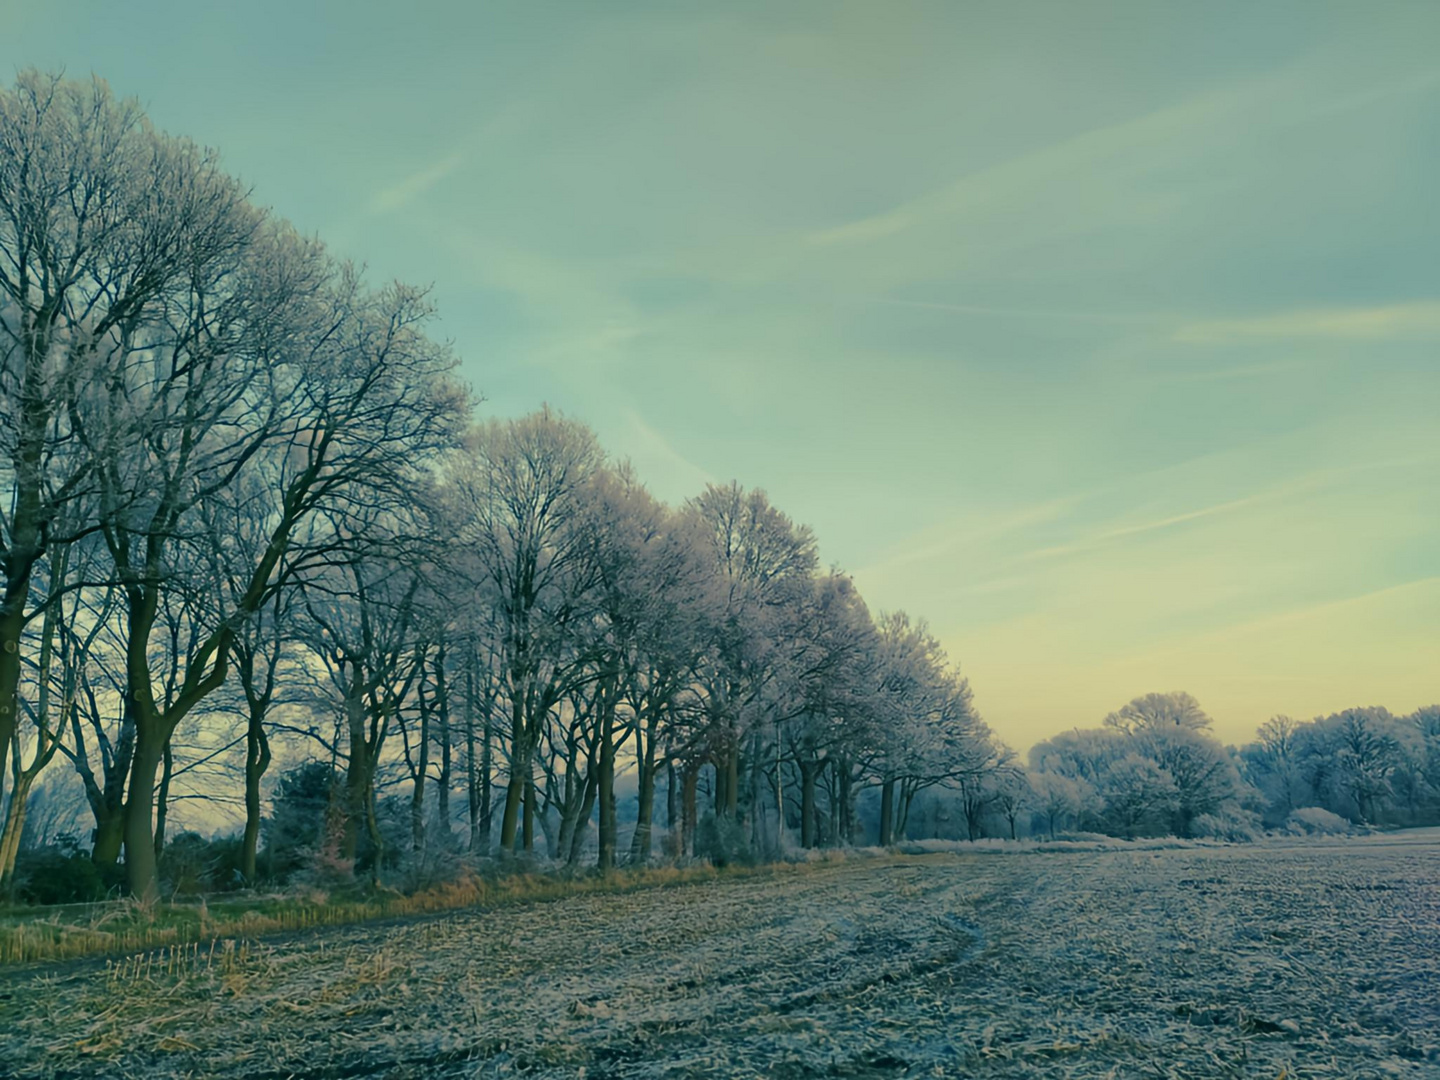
31, 935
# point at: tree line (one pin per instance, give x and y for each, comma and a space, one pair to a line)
1154, 768
251, 513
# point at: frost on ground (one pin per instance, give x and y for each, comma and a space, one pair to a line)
1299, 958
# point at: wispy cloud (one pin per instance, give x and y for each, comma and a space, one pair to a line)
1419, 320
1140, 528
1302, 614
1023, 312
1225, 374
416, 184
658, 455
1303, 484
948, 537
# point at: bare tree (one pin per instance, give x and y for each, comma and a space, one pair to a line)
761, 563
100, 218
537, 572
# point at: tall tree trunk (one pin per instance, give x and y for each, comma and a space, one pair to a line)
575, 842
578, 791
887, 811
528, 830
520, 764
109, 836
47, 742
487, 797
689, 820
14, 827
12, 624
357, 774
442, 716
162, 798
139, 836
608, 828
257, 760
779, 792
673, 825
902, 815
107, 802
640, 843
752, 803
422, 769
472, 770
732, 780
808, 771
372, 827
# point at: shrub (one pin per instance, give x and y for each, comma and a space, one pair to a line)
190, 864
60, 873
1227, 823
722, 841
1314, 820
296, 830
437, 865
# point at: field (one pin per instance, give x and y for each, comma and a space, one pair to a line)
1284, 959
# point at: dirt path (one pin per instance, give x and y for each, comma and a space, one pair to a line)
1319, 959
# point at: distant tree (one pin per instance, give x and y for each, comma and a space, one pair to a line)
1426, 721
760, 563
1014, 796
1201, 775
1148, 711
1273, 766
535, 562
1082, 754
1139, 796
1365, 749
1056, 799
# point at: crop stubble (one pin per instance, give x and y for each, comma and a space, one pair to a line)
1307, 959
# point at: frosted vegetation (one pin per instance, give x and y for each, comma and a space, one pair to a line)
266, 572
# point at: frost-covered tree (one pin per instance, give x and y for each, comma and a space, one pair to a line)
760, 566
526, 490
1272, 765
1152, 767
1056, 799
1176, 709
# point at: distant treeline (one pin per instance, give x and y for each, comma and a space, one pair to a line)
1154, 769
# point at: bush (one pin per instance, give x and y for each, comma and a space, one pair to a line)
191, 865
296, 831
1227, 823
1314, 820
438, 864
61, 873
722, 841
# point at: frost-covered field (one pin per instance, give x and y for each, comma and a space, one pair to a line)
1296, 959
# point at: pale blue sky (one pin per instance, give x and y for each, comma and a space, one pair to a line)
1106, 336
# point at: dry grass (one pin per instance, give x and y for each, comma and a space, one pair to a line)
125, 926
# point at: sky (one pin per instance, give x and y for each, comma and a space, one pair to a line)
1104, 336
